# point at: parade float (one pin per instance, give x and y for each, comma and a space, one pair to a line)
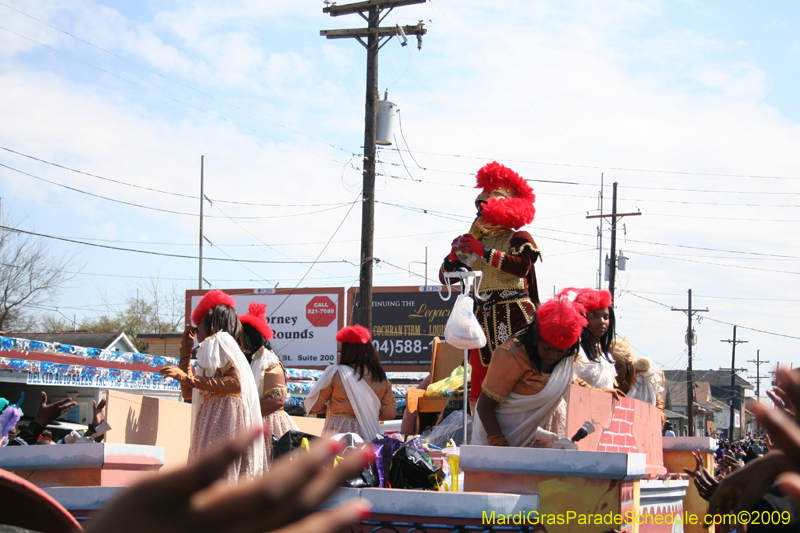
622, 475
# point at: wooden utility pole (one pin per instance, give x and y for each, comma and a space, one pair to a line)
758, 363
200, 276
376, 37
613, 216
600, 238
690, 341
733, 344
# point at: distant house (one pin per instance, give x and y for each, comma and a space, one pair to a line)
164, 344
61, 382
712, 396
115, 341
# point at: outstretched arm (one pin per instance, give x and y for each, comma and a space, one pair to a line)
286, 499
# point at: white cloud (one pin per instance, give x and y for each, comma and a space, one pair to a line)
544, 83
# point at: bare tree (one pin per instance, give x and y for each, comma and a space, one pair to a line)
30, 275
148, 308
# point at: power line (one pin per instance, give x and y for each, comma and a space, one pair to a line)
725, 297
193, 197
349, 152
320, 254
273, 245
715, 319
218, 117
131, 276
716, 264
179, 256
440, 214
753, 329
97, 195
175, 81
659, 200
81, 191
727, 204
738, 219
621, 169
741, 252
711, 191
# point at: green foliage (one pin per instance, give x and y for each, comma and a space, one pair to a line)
148, 312
30, 277
140, 316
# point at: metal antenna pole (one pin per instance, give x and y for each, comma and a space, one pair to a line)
200, 278
733, 344
689, 374
370, 11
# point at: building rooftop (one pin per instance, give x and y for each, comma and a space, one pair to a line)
100, 340
719, 381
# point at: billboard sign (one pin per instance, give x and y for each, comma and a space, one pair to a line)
404, 322
305, 321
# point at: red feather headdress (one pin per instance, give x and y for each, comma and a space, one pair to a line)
507, 212
209, 301
593, 299
256, 317
354, 335
560, 322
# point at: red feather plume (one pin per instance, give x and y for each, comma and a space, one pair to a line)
256, 317
507, 212
593, 299
560, 322
354, 335
209, 301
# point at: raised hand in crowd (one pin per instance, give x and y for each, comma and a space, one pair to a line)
188, 500
785, 430
703, 479
781, 400
97, 418
731, 464
739, 490
47, 413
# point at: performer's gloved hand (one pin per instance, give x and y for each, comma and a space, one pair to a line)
174, 372
497, 440
453, 247
469, 244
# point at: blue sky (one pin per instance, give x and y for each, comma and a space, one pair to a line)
690, 106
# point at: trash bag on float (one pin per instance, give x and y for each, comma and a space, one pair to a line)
289, 442
402, 466
451, 427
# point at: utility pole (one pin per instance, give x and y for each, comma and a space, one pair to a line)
370, 10
690, 341
613, 216
758, 363
733, 344
200, 277
600, 239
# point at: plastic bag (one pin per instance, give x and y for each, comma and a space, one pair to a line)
453, 382
369, 476
451, 427
403, 466
462, 329
290, 441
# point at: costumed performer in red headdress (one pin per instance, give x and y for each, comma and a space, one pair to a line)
224, 397
355, 394
269, 374
506, 258
594, 367
522, 398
